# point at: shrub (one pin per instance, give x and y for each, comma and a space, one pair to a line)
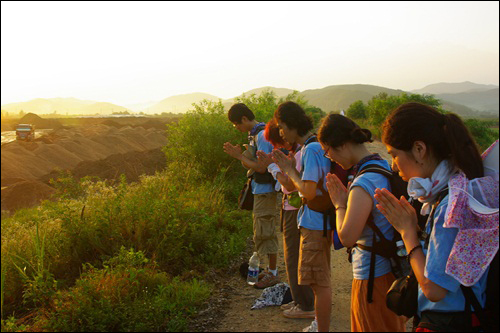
128, 294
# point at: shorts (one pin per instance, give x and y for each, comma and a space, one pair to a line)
265, 222
314, 258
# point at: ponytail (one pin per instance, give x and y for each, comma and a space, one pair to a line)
464, 151
336, 130
446, 136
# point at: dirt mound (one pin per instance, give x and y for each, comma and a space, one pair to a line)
25, 194
96, 150
132, 165
157, 124
39, 122
110, 122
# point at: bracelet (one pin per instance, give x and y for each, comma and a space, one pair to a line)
337, 208
408, 257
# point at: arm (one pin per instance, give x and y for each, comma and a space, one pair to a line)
352, 212
306, 187
235, 152
286, 182
404, 219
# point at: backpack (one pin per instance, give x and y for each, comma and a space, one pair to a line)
488, 317
323, 204
385, 247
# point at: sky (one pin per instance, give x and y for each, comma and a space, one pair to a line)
137, 52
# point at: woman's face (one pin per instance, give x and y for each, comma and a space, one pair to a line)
404, 163
339, 155
286, 133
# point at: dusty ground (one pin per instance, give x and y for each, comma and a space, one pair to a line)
91, 147
229, 309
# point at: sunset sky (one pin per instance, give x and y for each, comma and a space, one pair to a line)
135, 52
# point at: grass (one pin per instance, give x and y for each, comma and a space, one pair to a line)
182, 228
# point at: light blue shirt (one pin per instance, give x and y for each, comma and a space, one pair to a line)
440, 245
361, 258
315, 166
266, 147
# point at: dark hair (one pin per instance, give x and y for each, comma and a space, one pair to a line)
238, 111
335, 130
272, 134
445, 134
294, 117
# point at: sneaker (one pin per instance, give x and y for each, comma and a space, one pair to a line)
311, 328
287, 306
268, 281
296, 312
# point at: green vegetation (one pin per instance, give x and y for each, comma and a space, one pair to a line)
187, 228
373, 114
132, 257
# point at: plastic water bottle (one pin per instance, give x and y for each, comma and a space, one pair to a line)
253, 269
401, 252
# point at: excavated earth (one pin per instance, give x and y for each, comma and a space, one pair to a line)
106, 150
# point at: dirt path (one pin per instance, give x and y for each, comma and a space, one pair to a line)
230, 307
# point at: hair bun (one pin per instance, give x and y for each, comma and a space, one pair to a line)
361, 135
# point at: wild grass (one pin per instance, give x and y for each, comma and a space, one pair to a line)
183, 224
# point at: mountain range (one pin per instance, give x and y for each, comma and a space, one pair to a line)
466, 99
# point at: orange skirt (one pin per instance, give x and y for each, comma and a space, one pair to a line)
375, 316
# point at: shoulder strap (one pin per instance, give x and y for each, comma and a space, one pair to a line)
376, 169
257, 131
440, 197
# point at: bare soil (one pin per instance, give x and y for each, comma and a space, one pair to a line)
105, 149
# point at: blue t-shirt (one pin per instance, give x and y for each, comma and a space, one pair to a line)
266, 147
440, 244
361, 258
315, 166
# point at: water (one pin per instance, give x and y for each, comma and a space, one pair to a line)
253, 269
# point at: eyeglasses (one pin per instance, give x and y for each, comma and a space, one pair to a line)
326, 153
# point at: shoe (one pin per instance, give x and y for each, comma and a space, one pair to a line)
311, 328
263, 274
296, 312
268, 281
288, 306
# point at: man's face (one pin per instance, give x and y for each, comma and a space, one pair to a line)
244, 126
239, 126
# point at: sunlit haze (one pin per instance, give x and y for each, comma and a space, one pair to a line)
135, 52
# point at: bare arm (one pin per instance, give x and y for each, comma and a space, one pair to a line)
352, 220
306, 187
404, 219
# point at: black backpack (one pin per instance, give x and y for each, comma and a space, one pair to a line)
385, 247
488, 316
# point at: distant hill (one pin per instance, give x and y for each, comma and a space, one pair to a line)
340, 97
62, 106
476, 99
453, 88
179, 103
483, 101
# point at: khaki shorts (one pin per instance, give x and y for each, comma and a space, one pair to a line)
265, 221
314, 258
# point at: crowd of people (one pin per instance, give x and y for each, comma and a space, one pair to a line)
336, 193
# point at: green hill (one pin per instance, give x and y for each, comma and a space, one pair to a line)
340, 97
453, 88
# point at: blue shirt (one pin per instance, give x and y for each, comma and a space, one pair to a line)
315, 166
266, 147
361, 258
440, 245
